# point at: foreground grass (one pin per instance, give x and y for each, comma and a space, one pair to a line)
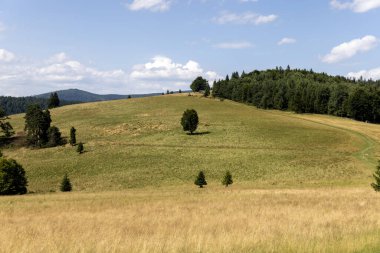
139, 143
187, 219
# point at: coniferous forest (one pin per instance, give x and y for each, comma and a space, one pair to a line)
303, 91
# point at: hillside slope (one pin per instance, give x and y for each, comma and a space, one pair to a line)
140, 143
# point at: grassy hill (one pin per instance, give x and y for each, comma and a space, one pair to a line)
301, 182
140, 143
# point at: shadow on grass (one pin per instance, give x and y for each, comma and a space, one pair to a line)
200, 133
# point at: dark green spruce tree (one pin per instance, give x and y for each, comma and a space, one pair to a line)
227, 180
66, 184
200, 180
53, 100
80, 148
73, 138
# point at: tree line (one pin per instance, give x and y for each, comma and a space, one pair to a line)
303, 91
15, 105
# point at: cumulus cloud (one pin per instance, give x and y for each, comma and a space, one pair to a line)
286, 41
244, 18
162, 71
373, 74
21, 77
6, 56
234, 45
349, 49
152, 5
359, 6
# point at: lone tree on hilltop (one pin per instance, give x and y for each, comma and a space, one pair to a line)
73, 138
12, 178
80, 148
200, 180
199, 84
53, 100
227, 180
66, 184
37, 123
376, 175
190, 120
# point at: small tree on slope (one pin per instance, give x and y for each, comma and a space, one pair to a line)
190, 120
73, 139
200, 180
66, 184
376, 175
227, 180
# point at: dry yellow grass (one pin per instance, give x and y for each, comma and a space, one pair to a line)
186, 219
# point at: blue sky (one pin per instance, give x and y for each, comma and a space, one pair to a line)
140, 46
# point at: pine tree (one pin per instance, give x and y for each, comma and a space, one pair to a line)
200, 180
73, 138
66, 184
53, 100
207, 91
80, 148
376, 175
37, 123
227, 180
54, 136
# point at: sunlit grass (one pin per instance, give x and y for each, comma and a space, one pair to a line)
139, 143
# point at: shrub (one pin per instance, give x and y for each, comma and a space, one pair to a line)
66, 184
190, 120
12, 178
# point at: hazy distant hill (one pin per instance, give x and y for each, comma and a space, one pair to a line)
84, 96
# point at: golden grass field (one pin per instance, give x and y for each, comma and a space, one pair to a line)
302, 182
187, 219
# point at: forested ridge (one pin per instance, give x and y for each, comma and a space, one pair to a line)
14, 105
303, 91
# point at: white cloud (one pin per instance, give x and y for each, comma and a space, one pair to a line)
286, 41
349, 49
22, 77
244, 18
6, 56
162, 68
359, 6
152, 5
373, 74
234, 45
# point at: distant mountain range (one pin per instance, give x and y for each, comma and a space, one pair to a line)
14, 105
76, 95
